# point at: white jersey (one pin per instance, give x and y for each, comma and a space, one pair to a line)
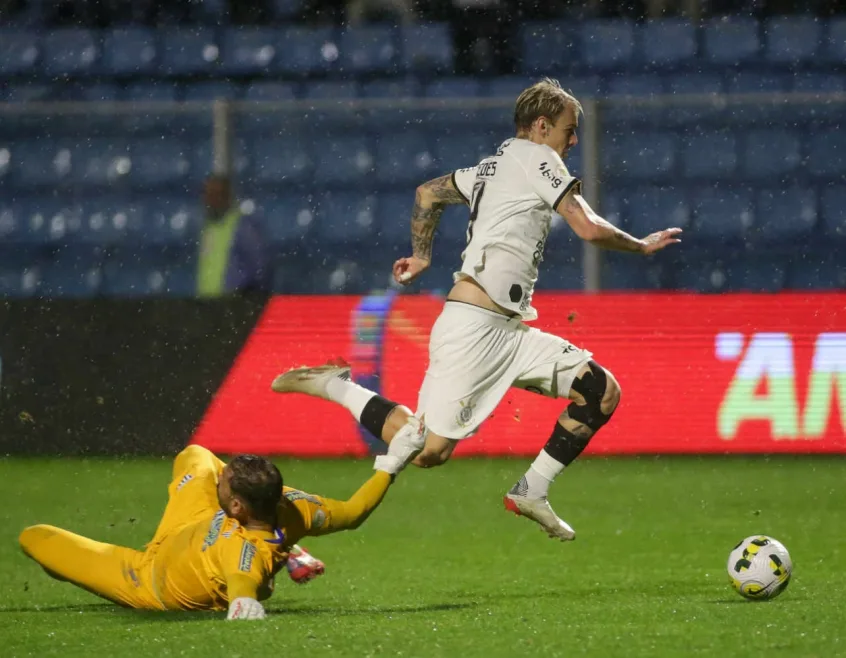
512, 195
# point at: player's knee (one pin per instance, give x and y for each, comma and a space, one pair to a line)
611, 399
600, 393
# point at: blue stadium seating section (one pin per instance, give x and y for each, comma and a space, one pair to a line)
108, 204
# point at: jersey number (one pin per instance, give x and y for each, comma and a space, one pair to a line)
475, 200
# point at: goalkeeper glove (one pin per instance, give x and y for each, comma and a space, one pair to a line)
245, 608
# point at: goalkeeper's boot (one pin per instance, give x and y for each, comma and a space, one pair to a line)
538, 510
311, 381
302, 566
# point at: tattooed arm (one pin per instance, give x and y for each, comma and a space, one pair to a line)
429, 203
594, 229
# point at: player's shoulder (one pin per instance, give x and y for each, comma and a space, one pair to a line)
529, 153
293, 495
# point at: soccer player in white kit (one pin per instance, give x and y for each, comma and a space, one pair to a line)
481, 345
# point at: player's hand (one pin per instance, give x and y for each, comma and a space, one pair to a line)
408, 269
657, 241
245, 608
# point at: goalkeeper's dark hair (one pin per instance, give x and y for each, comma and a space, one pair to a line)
257, 482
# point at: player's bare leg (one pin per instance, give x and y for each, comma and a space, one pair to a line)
595, 395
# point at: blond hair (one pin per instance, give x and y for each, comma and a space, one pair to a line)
545, 98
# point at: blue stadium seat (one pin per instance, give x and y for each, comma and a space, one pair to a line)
722, 214
640, 156
393, 218
170, 221
330, 90
827, 154
769, 153
270, 91
622, 272
87, 92
427, 47
42, 162
129, 51
819, 82
50, 221
458, 151
589, 86
562, 267
786, 216
757, 273
833, 209
282, 160
694, 83
819, 270
508, 86
285, 9
343, 160
161, 90
667, 43
728, 42
453, 88
188, 51
408, 87
648, 84
404, 158
13, 221
160, 161
210, 12
653, 209
288, 219
835, 44
108, 220
607, 44
305, 51
143, 272
98, 161
69, 52
700, 271
18, 52
792, 40
344, 217
546, 46
711, 155
20, 272
452, 230
370, 49
212, 90
751, 82
28, 93
72, 273
249, 51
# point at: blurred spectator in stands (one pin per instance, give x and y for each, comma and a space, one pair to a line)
484, 33
232, 257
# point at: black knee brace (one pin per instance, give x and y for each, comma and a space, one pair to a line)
591, 387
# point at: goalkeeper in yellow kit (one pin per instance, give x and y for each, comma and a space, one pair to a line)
226, 531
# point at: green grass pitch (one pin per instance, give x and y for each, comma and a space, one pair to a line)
442, 570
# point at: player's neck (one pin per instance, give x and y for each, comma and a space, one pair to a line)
255, 524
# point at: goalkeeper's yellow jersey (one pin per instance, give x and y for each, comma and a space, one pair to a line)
201, 559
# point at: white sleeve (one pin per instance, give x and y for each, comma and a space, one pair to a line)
548, 176
463, 180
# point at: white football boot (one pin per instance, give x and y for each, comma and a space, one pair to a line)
538, 510
311, 381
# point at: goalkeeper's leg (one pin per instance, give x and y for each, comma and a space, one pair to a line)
112, 572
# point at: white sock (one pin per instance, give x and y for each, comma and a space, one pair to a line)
541, 474
350, 395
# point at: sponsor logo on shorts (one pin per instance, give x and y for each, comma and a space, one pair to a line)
185, 480
248, 552
302, 495
465, 415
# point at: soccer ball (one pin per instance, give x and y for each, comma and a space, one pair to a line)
759, 568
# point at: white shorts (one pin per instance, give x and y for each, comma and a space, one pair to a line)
476, 355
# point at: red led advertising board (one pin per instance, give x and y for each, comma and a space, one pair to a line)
699, 374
